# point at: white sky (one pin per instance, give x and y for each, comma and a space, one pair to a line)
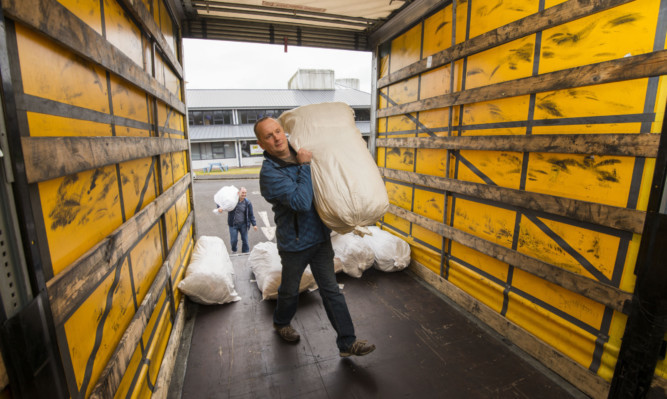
213, 64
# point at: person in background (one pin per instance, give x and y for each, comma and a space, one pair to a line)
302, 238
239, 220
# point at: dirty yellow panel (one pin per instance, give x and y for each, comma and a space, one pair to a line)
432, 162
86, 10
68, 79
139, 184
159, 68
551, 3
105, 314
146, 261
645, 187
180, 164
628, 29
399, 195
597, 249
147, 56
404, 92
593, 128
43, 125
132, 132
380, 157
436, 82
612, 347
167, 27
485, 221
383, 67
128, 100
156, 354
182, 209
489, 265
629, 278
483, 289
510, 61
401, 123
575, 305
166, 170
565, 337
438, 32
122, 32
461, 20
157, 318
184, 259
618, 98
79, 211
172, 82
397, 222
437, 119
503, 168
511, 109
429, 204
168, 117
427, 236
405, 49
600, 179
489, 15
400, 158
381, 125
427, 258
382, 98
171, 225
132, 369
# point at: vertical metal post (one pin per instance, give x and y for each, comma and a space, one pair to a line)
647, 322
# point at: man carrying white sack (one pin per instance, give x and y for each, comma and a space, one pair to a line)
303, 239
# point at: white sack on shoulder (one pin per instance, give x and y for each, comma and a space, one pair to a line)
353, 252
391, 253
349, 191
264, 261
227, 198
209, 278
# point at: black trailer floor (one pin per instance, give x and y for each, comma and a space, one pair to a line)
426, 348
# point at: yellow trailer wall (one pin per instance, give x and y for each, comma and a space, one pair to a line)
454, 105
98, 88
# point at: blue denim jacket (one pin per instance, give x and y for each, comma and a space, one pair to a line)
289, 189
249, 215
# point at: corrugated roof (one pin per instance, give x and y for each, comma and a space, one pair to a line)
286, 99
233, 132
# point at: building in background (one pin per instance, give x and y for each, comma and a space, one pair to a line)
221, 120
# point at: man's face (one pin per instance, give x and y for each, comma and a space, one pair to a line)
271, 137
242, 194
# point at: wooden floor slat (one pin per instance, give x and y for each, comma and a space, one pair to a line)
425, 348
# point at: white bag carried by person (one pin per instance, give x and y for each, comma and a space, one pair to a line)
391, 253
227, 198
209, 278
353, 252
264, 261
349, 191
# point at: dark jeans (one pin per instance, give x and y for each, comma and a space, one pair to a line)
320, 257
234, 237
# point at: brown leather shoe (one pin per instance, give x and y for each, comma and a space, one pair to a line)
287, 333
358, 348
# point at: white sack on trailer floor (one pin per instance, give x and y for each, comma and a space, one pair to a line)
349, 191
209, 278
391, 252
264, 261
355, 255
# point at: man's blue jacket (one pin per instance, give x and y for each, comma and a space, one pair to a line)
249, 215
289, 189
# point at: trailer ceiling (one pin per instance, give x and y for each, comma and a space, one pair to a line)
339, 24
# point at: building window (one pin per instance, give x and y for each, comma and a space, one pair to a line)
250, 148
195, 151
217, 117
223, 150
247, 116
362, 114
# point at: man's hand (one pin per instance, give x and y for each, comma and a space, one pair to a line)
254, 227
303, 156
219, 210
